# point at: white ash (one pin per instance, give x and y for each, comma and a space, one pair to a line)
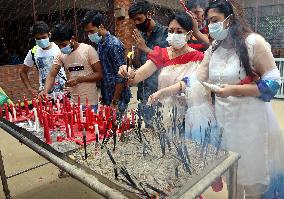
152, 168
62, 147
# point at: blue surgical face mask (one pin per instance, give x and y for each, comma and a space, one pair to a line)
42, 43
217, 31
95, 38
67, 49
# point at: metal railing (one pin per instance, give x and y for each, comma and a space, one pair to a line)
280, 65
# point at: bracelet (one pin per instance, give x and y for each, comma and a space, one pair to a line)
180, 86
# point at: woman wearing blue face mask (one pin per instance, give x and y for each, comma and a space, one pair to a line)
241, 63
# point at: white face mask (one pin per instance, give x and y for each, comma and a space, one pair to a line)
217, 31
177, 41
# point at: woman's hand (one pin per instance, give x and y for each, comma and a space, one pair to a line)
140, 42
195, 28
226, 90
154, 98
126, 73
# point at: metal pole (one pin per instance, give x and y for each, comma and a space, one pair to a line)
232, 184
60, 10
256, 15
75, 19
4, 179
27, 170
34, 10
89, 180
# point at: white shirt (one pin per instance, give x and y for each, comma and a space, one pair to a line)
44, 60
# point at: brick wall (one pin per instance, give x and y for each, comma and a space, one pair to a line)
10, 79
124, 26
11, 82
278, 52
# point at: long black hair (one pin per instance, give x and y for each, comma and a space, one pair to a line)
239, 29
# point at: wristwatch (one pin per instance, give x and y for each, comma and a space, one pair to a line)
114, 102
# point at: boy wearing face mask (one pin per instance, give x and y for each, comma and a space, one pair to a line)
111, 52
41, 56
148, 34
82, 63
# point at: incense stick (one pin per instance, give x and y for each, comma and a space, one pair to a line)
85, 143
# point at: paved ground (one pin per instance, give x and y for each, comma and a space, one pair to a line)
43, 183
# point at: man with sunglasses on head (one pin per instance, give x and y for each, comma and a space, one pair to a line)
42, 56
148, 34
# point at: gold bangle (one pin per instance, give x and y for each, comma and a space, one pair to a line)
180, 86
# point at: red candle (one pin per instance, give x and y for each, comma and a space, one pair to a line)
78, 120
51, 119
1, 112
87, 101
114, 114
79, 101
46, 130
74, 117
128, 124
64, 103
66, 124
40, 104
20, 107
45, 99
7, 112
26, 105
40, 118
68, 105
50, 107
61, 107
11, 107
110, 126
34, 103
71, 123
107, 113
87, 114
132, 118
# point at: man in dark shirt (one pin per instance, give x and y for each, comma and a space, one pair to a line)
111, 52
148, 34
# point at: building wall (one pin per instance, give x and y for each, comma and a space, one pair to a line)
11, 82
124, 26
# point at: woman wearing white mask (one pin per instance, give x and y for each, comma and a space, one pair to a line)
176, 62
241, 63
